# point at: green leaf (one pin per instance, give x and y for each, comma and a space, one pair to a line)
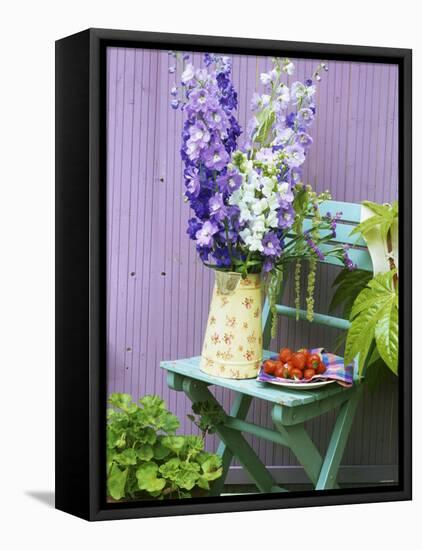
373, 306
145, 452
170, 423
126, 457
212, 468
360, 335
170, 468
268, 119
147, 478
366, 226
194, 444
382, 210
203, 483
349, 284
188, 475
387, 335
160, 451
174, 442
122, 401
153, 402
116, 482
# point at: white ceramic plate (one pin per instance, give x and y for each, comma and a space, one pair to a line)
300, 385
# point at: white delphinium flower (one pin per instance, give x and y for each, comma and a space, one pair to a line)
300, 92
267, 188
188, 74
288, 67
283, 97
252, 241
283, 136
259, 205
266, 154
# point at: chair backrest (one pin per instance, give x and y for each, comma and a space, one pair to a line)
358, 253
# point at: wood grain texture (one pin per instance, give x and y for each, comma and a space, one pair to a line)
158, 292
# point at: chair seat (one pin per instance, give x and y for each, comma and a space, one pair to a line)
281, 396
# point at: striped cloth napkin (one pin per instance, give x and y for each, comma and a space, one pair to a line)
336, 370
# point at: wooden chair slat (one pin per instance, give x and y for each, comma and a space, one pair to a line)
350, 210
319, 318
343, 236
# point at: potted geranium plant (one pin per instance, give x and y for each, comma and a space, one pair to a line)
248, 199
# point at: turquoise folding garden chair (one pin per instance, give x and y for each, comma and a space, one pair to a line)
290, 408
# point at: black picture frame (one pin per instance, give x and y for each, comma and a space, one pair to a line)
81, 283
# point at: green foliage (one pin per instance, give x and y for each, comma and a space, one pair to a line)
349, 284
374, 316
145, 457
207, 416
383, 218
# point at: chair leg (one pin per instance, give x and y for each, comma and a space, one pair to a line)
301, 445
234, 440
239, 410
328, 477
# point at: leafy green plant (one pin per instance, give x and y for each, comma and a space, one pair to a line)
374, 316
145, 457
349, 284
371, 303
384, 215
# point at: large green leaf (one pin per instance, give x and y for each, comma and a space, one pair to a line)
123, 401
147, 478
212, 468
152, 402
188, 475
387, 335
174, 442
349, 285
126, 457
160, 451
373, 306
145, 452
116, 482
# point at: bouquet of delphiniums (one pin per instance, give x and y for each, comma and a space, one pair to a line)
248, 200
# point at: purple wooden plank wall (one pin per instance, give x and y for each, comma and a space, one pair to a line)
158, 291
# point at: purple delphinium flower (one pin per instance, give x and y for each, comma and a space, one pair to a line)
217, 208
193, 227
346, 258
215, 156
332, 220
222, 256
305, 116
304, 139
286, 217
204, 252
216, 119
199, 139
192, 181
200, 100
199, 204
313, 246
295, 155
271, 244
204, 236
290, 120
268, 264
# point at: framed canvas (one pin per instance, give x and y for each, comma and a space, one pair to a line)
231, 217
